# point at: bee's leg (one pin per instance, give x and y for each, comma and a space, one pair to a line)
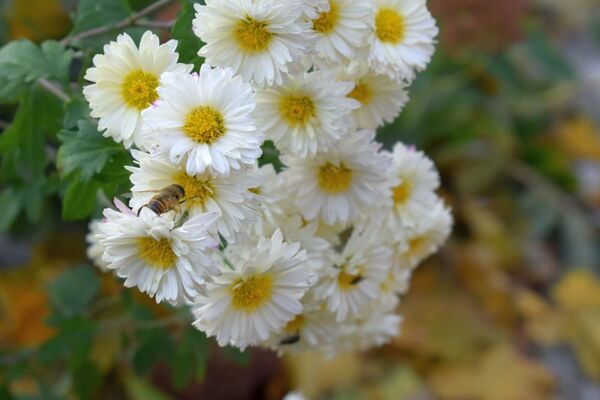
140, 210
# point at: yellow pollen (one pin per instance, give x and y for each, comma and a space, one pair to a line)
401, 193
197, 191
156, 253
250, 294
334, 179
361, 92
139, 89
347, 281
295, 325
204, 125
389, 26
327, 20
297, 110
252, 36
255, 190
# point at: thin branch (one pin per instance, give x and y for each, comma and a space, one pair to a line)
55, 90
156, 24
130, 21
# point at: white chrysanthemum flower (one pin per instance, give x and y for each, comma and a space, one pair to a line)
426, 237
307, 114
95, 250
381, 98
341, 29
205, 121
255, 297
416, 179
259, 39
352, 282
337, 185
165, 262
229, 196
294, 396
403, 39
125, 79
295, 229
313, 329
395, 284
272, 193
375, 328
312, 8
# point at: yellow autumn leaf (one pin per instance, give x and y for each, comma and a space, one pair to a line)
37, 19
579, 138
578, 289
312, 374
501, 374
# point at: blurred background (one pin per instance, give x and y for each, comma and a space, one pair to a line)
509, 109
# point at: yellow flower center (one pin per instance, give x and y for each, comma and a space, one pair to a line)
139, 89
204, 125
389, 26
197, 191
156, 253
327, 20
297, 110
334, 179
295, 325
252, 36
401, 193
361, 92
250, 294
347, 281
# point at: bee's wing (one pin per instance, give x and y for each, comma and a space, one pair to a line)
130, 195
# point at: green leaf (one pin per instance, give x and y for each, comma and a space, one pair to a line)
86, 380
155, 345
74, 336
22, 143
85, 150
24, 61
73, 290
188, 363
188, 44
93, 14
75, 109
10, 204
138, 389
80, 199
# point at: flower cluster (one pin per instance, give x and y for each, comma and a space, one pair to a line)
314, 256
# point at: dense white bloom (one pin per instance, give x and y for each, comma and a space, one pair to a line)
381, 98
415, 180
257, 295
341, 29
125, 79
376, 328
205, 121
295, 229
426, 236
229, 196
307, 113
294, 396
165, 262
337, 185
403, 40
313, 329
352, 281
312, 8
95, 250
259, 39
